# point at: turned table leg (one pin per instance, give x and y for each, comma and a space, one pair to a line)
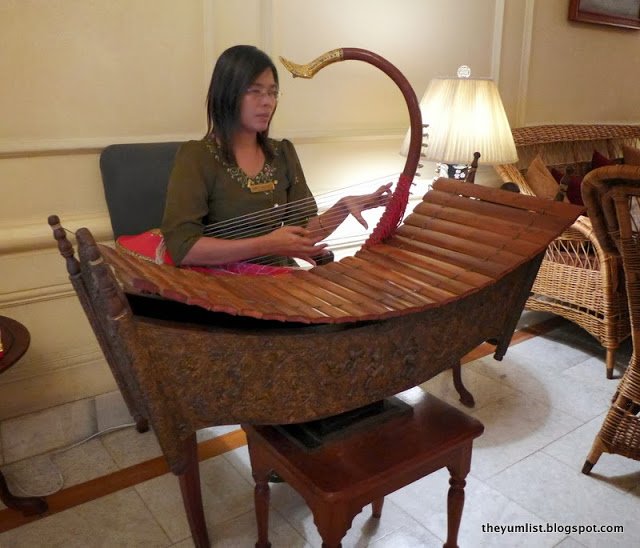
455, 498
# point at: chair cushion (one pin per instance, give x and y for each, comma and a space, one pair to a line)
540, 179
600, 160
135, 179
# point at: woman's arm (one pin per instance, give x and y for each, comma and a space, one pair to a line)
333, 217
288, 241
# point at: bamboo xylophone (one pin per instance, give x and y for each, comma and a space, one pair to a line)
190, 351
461, 238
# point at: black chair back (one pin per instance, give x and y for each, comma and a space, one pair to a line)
135, 179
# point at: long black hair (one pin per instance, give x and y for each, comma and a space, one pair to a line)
235, 70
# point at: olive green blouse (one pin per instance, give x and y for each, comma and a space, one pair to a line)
204, 189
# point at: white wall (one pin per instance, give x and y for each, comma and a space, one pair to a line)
79, 75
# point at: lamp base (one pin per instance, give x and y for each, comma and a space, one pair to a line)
452, 171
460, 172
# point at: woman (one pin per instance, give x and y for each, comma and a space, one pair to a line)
237, 171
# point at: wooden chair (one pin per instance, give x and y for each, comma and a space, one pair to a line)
578, 279
345, 474
612, 196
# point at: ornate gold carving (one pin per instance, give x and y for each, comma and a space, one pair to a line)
309, 70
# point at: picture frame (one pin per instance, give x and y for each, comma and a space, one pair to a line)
618, 13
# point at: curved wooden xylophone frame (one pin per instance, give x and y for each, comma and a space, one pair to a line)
182, 367
455, 274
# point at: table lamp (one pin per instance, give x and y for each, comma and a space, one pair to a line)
464, 120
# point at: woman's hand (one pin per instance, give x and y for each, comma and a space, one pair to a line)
294, 241
357, 204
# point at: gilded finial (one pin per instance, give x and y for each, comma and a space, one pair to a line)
309, 70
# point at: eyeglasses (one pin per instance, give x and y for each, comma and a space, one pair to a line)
256, 92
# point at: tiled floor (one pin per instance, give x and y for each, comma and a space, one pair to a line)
541, 407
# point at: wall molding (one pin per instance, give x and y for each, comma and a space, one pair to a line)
82, 145
36, 295
32, 393
525, 61
496, 47
35, 236
208, 42
80, 356
265, 10
79, 146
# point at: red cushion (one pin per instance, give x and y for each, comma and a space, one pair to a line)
599, 160
574, 194
557, 174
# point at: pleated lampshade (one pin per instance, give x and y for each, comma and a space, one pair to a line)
465, 115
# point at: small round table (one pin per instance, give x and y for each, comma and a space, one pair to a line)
15, 341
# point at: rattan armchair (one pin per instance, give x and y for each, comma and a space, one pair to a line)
578, 279
612, 196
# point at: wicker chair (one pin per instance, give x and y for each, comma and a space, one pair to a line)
612, 196
578, 279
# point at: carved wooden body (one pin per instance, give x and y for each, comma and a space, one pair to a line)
182, 367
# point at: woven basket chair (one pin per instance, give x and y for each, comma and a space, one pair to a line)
578, 279
612, 196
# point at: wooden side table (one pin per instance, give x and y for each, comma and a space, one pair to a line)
15, 341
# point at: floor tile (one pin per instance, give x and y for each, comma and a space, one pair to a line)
563, 496
573, 448
364, 529
213, 432
162, 496
37, 433
571, 335
569, 542
515, 427
242, 531
407, 537
128, 446
548, 385
120, 519
45, 474
548, 353
36, 476
65, 529
225, 495
484, 389
426, 501
239, 459
186, 543
84, 462
111, 411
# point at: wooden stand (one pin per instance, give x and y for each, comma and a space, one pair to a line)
345, 474
15, 341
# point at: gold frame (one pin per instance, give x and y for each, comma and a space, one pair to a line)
601, 12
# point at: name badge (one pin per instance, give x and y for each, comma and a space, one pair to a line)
262, 187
